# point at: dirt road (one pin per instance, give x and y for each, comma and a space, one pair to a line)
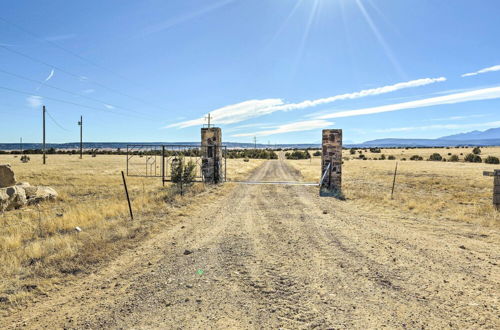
270, 256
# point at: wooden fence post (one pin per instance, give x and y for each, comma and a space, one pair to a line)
394, 180
496, 187
128, 198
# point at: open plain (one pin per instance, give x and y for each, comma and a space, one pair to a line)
256, 256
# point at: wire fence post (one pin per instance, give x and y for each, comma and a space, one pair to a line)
128, 198
394, 180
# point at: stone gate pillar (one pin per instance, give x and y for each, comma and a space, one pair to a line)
331, 163
211, 154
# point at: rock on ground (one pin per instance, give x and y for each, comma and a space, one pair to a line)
40, 194
12, 198
7, 177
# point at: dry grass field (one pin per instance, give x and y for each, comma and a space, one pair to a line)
441, 190
236, 256
39, 246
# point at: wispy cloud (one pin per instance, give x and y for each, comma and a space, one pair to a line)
452, 118
476, 95
51, 74
88, 91
184, 18
255, 108
109, 106
235, 113
485, 70
60, 37
34, 101
490, 124
290, 127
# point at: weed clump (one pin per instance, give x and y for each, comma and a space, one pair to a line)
473, 158
436, 157
492, 160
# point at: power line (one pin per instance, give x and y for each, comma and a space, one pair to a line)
64, 49
66, 91
55, 122
64, 101
79, 77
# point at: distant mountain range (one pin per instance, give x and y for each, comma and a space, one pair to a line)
490, 137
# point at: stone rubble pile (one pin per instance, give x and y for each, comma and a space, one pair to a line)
16, 195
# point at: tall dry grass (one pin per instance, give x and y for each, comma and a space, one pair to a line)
39, 245
439, 190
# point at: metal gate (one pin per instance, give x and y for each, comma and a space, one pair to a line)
158, 161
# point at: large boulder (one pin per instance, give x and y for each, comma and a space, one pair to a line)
39, 194
7, 177
29, 189
12, 198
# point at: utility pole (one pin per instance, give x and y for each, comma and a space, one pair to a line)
208, 118
80, 123
44, 157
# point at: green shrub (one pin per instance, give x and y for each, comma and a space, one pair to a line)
454, 158
436, 157
375, 150
416, 157
297, 154
317, 153
476, 151
492, 160
382, 157
252, 153
352, 151
183, 172
391, 157
473, 158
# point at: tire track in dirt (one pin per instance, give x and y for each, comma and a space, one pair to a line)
275, 256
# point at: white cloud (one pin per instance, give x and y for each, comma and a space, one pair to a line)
184, 18
108, 106
88, 91
446, 126
255, 108
458, 117
34, 101
235, 113
476, 95
51, 74
485, 70
60, 37
291, 127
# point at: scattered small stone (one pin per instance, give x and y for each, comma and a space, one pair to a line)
78, 229
59, 215
189, 286
325, 212
462, 247
198, 301
187, 252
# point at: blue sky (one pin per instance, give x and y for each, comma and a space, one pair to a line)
280, 70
